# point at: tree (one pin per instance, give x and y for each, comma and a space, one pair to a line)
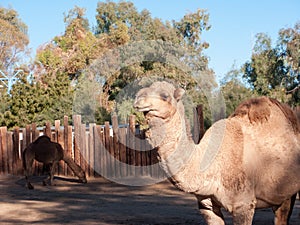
265, 71
122, 21
289, 45
72, 52
274, 71
13, 40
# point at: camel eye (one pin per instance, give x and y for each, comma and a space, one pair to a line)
164, 96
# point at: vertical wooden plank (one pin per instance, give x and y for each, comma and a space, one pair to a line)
37, 167
98, 151
1, 154
48, 130
107, 152
28, 134
17, 165
153, 160
23, 140
131, 144
65, 139
57, 138
198, 130
138, 156
122, 151
148, 155
112, 172
91, 142
33, 132
60, 139
57, 130
83, 152
4, 163
70, 150
116, 153
77, 128
9, 138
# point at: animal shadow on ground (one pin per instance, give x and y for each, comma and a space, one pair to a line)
103, 202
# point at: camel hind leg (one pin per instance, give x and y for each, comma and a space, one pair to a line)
50, 178
284, 211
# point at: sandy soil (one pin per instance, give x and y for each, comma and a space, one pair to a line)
103, 202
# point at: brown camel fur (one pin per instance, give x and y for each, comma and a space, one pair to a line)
49, 153
250, 160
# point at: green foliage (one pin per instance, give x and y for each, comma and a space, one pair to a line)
274, 71
234, 90
13, 40
122, 22
37, 102
60, 64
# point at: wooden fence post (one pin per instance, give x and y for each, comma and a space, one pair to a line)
131, 144
122, 152
108, 150
99, 163
83, 148
77, 125
17, 154
48, 130
198, 124
66, 147
91, 152
9, 139
116, 150
3, 150
69, 144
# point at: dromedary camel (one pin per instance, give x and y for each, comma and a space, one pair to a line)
49, 153
250, 160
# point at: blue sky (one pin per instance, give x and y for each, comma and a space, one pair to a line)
234, 23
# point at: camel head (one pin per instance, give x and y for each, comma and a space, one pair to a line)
160, 100
82, 177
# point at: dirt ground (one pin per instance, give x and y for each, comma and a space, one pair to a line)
104, 202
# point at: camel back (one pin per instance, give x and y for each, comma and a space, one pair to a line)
259, 110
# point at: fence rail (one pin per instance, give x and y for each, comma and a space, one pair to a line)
107, 150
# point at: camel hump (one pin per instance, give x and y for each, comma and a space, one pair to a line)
41, 139
258, 110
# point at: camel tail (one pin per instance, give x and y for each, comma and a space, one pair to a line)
75, 168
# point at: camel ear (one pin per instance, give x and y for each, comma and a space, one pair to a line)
178, 93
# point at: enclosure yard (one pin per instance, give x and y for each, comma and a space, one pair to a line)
103, 202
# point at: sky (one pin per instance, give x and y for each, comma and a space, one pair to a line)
231, 37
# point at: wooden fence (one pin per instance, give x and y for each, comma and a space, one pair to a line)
107, 150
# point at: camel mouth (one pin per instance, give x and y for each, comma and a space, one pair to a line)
146, 111
143, 109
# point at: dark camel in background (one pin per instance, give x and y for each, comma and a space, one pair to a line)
49, 153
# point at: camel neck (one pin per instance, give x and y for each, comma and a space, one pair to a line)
179, 155
175, 147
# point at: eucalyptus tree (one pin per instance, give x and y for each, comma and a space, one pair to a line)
13, 40
274, 71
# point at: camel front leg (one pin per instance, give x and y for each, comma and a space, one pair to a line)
243, 214
284, 211
211, 213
